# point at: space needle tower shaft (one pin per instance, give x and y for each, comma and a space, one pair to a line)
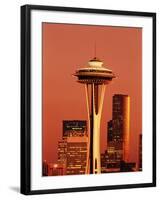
95, 77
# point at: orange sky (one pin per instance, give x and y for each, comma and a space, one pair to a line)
67, 47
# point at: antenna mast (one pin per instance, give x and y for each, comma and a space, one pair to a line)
95, 49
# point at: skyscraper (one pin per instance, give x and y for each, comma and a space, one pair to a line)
72, 149
118, 132
95, 77
140, 153
109, 131
112, 157
76, 155
45, 168
62, 155
121, 125
74, 128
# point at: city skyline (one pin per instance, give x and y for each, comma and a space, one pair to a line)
59, 91
72, 148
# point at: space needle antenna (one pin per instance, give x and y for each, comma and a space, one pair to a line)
95, 77
95, 49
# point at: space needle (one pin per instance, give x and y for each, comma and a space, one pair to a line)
95, 77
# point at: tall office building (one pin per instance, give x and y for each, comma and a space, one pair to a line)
103, 163
140, 153
112, 155
121, 126
109, 131
72, 149
109, 162
74, 128
118, 131
76, 155
45, 168
62, 155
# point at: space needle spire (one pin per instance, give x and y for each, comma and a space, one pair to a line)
95, 77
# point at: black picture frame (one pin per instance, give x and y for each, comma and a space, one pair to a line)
26, 98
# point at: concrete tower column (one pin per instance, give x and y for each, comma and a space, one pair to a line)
95, 77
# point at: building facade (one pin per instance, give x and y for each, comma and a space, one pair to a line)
62, 153
74, 128
121, 126
118, 132
72, 149
76, 155
140, 153
51, 169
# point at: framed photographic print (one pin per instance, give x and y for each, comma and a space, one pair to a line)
88, 99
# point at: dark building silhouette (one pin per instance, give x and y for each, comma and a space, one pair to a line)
116, 158
121, 126
140, 153
109, 163
104, 162
110, 131
45, 168
112, 155
51, 169
127, 166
